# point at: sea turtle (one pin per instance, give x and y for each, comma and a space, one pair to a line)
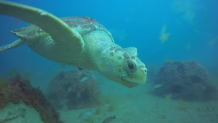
78, 41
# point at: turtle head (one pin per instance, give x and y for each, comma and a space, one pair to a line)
123, 66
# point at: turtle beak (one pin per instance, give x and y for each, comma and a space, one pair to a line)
140, 77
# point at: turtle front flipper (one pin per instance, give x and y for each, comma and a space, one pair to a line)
55, 27
12, 45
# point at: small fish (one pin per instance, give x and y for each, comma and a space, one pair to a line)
86, 114
79, 68
16, 22
109, 119
64, 101
84, 79
210, 108
157, 86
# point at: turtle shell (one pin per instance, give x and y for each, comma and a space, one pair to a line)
83, 25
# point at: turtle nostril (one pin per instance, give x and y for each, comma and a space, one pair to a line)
145, 71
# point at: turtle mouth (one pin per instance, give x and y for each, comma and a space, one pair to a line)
128, 84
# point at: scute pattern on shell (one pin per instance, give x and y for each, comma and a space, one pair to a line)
83, 25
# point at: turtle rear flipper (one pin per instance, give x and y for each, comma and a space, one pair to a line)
55, 27
12, 45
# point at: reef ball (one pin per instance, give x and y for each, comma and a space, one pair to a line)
184, 80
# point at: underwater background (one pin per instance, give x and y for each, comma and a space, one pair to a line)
161, 30
192, 24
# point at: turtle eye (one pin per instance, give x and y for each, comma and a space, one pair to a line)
130, 66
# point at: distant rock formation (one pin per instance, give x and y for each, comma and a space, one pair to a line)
74, 89
186, 81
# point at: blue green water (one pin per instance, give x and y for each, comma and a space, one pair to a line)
192, 24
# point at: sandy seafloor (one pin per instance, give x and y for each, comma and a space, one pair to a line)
136, 105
